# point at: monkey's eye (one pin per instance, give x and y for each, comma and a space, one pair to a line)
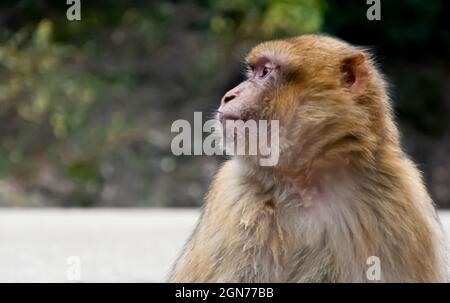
264, 72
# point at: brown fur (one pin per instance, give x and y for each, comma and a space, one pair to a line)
342, 191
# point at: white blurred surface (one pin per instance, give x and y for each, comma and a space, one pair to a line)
112, 245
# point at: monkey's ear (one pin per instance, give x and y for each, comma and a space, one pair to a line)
354, 73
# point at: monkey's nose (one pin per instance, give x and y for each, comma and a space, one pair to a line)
227, 98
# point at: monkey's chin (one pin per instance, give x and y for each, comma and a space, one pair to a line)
246, 143
230, 118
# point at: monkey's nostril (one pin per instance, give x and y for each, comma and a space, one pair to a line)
228, 98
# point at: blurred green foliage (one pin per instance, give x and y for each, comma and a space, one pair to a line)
86, 106
40, 85
265, 19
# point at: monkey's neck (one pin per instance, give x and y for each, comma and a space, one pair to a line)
325, 181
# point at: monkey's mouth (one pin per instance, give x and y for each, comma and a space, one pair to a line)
229, 117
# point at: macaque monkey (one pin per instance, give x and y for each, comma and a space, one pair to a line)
342, 191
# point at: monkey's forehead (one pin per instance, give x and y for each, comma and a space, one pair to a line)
297, 49
280, 52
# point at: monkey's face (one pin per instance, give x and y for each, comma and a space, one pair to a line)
245, 101
324, 93
242, 110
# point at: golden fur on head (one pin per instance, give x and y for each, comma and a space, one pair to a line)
342, 192
324, 116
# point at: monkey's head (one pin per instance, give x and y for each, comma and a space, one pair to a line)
328, 96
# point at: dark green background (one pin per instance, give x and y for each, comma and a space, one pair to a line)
86, 106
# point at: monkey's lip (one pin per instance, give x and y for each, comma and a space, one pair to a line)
224, 117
